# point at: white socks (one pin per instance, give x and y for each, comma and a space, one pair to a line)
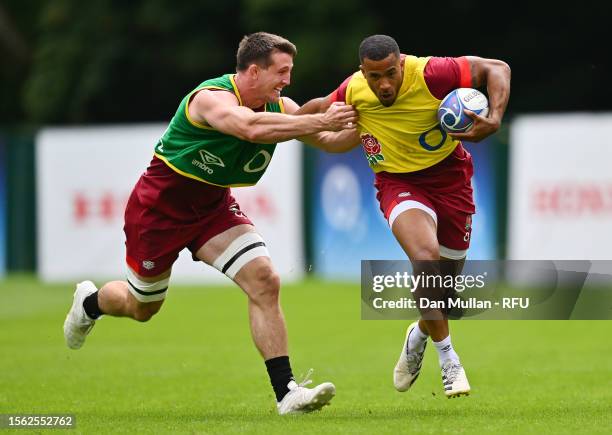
445, 350
417, 340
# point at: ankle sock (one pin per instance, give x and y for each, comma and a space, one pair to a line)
280, 374
90, 304
445, 350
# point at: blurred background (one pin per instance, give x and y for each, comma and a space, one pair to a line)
85, 91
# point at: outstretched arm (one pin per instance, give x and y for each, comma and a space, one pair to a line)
334, 141
495, 74
221, 111
316, 105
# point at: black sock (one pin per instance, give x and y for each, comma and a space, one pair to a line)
90, 303
280, 374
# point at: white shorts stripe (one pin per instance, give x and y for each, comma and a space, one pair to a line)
452, 254
407, 205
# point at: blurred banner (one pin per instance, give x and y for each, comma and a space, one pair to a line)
84, 178
348, 226
561, 187
484, 182
3, 208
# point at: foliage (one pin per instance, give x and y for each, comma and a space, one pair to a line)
116, 61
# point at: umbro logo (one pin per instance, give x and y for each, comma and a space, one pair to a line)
404, 194
208, 160
211, 159
148, 264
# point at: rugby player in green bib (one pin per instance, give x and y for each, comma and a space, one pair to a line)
223, 135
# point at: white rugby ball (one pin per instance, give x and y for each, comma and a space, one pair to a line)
451, 115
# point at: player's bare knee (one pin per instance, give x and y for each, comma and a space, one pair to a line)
426, 252
144, 312
265, 285
142, 315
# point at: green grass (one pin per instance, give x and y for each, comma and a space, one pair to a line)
193, 368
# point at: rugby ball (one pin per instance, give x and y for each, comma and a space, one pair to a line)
450, 113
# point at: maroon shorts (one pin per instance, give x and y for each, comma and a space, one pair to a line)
168, 212
444, 191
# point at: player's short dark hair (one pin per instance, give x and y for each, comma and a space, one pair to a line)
257, 47
377, 47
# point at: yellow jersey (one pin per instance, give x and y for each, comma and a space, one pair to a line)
406, 136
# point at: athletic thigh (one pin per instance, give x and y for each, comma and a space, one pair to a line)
415, 230
411, 216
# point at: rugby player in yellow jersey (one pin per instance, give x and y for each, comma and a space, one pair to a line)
422, 173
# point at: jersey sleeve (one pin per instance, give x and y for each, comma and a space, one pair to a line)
340, 93
443, 74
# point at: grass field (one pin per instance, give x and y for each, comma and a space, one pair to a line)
193, 368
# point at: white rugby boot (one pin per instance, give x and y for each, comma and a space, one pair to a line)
300, 399
454, 379
409, 364
78, 324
